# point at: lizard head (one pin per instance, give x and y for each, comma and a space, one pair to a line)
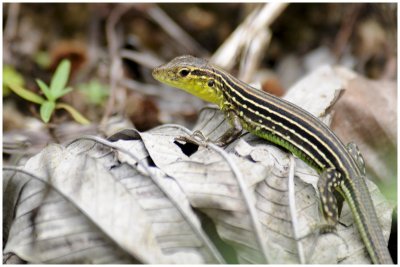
193, 75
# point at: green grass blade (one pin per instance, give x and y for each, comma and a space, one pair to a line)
45, 89
60, 77
63, 92
26, 94
46, 109
74, 113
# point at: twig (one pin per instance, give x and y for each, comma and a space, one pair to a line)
10, 30
93, 44
252, 55
144, 59
256, 22
346, 29
116, 61
176, 32
145, 89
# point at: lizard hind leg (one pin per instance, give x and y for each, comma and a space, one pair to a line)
329, 180
355, 153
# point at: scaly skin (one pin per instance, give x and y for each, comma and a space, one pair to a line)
293, 128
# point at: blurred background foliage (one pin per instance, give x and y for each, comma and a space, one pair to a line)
37, 36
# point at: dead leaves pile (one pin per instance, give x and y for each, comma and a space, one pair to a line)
135, 197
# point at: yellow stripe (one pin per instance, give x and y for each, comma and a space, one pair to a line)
305, 151
280, 115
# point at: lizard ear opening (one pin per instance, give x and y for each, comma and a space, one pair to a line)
211, 83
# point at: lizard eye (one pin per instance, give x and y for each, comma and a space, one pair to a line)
211, 83
184, 72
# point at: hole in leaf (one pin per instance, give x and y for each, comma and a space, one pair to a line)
187, 148
393, 237
151, 162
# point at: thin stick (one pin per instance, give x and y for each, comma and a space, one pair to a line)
144, 59
346, 29
116, 61
176, 32
143, 88
257, 21
253, 54
10, 30
293, 211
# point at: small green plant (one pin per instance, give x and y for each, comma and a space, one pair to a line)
56, 90
95, 91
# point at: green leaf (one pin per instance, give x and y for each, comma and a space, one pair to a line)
46, 109
63, 92
45, 89
26, 94
74, 113
11, 76
60, 77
